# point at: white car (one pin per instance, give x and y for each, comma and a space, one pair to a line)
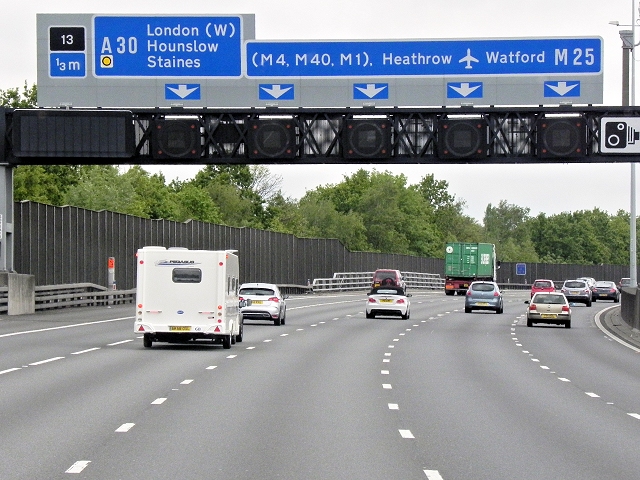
386, 301
267, 302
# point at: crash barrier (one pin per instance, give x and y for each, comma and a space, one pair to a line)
80, 295
346, 281
630, 307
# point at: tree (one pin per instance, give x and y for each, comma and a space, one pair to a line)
15, 98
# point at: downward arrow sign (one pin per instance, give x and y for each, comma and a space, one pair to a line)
182, 91
562, 88
465, 89
276, 91
370, 90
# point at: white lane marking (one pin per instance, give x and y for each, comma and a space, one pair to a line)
416, 325
250, 348
284, 334
396, 339
158, 401
544, 368
387, 386
266, 341
394, 406
634, 415
384, 372
388, 354
406, 434
433, 474
535, 360
46, 361
518, 344
386, 360
610, 335
64, 326
335, 318
10, 370
85, 351
593, 395
118, 343
299, 329
525, 351
564, 379
78, 467
125, 427
408, 330
402, 334
186, 382
326, 322
231, 356
211, 367
314, 325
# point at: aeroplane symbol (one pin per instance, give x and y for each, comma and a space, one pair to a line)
468, 58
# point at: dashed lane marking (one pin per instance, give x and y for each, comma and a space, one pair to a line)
158, 401
593, 395
119, 343
125, 427
45, 361
394, 406
86, 351
78, 467
387, 386
433, 475
406, 434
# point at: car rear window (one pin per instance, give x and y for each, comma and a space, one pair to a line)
549, 299
604, 284
482, 287
575, 284
542, 284
383, 275
266, 292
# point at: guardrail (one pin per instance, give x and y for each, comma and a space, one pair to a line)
346, 281
80, 295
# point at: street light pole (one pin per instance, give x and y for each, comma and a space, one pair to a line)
628, 44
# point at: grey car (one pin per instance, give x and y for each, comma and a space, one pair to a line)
577, 291
483, 296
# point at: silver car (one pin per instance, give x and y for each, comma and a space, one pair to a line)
267, 302
551, 308
483, 296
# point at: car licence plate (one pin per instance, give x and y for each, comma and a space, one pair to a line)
482, 304
386, 300
603, 294
179, 328
549, 315
257, 302
575, 292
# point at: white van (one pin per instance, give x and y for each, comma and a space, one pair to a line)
187, 295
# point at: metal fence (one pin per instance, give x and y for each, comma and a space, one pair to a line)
64, 245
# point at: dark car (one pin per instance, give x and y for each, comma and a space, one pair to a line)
606, 291
387, 278
483, 296
577, 291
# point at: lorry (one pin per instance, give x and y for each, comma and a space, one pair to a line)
468, 262
183, 296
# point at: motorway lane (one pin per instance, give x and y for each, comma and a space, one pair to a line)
328, 395
485, 404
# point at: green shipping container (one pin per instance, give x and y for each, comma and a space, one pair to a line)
470, 260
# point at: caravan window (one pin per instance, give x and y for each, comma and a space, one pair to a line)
186, 275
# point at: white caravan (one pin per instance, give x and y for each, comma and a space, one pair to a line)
187, 295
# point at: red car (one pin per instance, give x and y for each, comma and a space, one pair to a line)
542, 285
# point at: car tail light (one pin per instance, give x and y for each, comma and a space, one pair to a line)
565, 308
613, 290
372, 300
469, 292
496, 294
274, 299
400, 300
240, 299
532, 306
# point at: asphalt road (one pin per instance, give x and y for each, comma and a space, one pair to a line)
330, 395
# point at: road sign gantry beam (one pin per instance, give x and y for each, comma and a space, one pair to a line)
459, 135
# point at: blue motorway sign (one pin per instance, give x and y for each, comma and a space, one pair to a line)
562, 89
167, 46
67, 64
521, 268
424, 57
464, 90
269, 91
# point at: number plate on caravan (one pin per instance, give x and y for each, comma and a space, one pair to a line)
179, 328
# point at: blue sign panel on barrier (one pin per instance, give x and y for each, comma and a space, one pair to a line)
425, 57
562, 89
521, 268
167, 46
269, 91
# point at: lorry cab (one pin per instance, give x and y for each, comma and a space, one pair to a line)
187, 295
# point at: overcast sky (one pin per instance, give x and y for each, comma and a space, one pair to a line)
541, 188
